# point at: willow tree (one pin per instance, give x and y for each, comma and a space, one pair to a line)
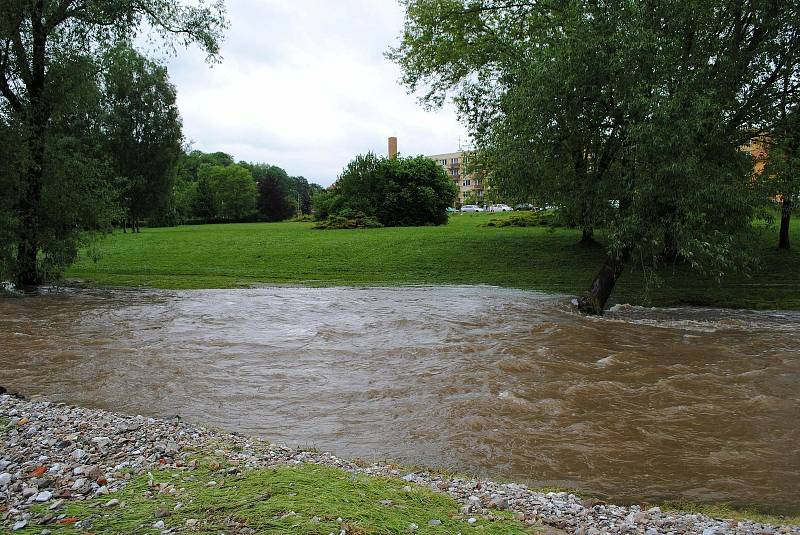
38, 38
629, 115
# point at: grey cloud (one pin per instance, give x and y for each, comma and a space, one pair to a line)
304, 85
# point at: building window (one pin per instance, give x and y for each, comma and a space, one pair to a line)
444, 162
454, 172
454, 161
466, 183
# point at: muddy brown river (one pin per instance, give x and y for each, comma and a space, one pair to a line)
641, 405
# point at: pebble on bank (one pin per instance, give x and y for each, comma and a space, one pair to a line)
53, 453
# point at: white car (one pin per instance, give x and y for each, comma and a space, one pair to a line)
472, 208
500, 208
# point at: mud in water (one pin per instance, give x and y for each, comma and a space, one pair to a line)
639, 405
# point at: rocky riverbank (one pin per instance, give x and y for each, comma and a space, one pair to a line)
52, 455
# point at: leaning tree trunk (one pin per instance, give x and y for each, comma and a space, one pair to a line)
594, 301
786, 216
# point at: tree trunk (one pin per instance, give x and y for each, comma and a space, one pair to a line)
587, 237
594, 301
786, 216
29, 204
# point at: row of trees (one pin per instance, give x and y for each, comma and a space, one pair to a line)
213, 188
630, 116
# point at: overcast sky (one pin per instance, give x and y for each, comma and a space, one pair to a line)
304, 85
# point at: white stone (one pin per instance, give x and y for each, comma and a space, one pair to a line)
102, 441
159, 525
43, 496
5, 479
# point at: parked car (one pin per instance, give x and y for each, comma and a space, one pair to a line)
451, 210
500, 208
472, 208
525, 206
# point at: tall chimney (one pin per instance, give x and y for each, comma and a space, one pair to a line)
392, 148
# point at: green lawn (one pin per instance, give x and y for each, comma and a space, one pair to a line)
462, 252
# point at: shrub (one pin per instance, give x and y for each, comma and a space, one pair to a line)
526, 219
348, 219
395, 192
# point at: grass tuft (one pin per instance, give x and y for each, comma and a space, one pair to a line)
305, 499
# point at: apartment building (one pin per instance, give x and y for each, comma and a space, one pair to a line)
470, 185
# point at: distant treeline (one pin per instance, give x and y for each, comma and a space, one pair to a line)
212, 188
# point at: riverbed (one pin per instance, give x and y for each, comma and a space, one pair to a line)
641, 405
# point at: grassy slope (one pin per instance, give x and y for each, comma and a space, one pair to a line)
302, 500
463, 252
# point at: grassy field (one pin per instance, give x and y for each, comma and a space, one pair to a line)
463, 252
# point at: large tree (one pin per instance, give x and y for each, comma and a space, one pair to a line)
783, 167
277, 197
37, 39
229, 192
142, 131
628, 115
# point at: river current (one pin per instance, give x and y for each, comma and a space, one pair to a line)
642, 404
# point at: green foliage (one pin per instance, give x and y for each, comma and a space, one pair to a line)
277, 194
227, 193
397, 192
628, 116
142, 131
304, 193
347, 219
461, 252
782, 171
277, 197
524, 219
50, 57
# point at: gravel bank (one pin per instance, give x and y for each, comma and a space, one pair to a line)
51, 453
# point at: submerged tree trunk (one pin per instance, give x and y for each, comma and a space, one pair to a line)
594, 301
786, 216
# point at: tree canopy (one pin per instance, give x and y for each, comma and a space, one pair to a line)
629, 116
142, 131
50, 54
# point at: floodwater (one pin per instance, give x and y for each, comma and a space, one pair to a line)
642, 404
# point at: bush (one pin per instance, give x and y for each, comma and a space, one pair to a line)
395, 192
348, 219
526, 219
